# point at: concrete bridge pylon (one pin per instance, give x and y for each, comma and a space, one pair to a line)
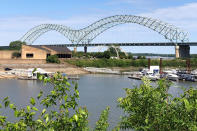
182, 51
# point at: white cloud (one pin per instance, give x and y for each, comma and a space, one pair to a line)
183, 16
14, 28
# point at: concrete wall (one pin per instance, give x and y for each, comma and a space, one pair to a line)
6, 54
21, 61
38, 53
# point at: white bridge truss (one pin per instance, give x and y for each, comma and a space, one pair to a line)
86, 35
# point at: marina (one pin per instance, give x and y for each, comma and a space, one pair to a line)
173, 75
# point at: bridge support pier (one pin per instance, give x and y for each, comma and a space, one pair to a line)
75, 49
182, 51
85, 49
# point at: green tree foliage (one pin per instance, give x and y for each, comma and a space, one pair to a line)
78, 54
141, 57
130, 62
59, 112
16, 45
16, 55
100, 63
106, 54
153, 108
102, 124
53, 59
130, 56
113, 51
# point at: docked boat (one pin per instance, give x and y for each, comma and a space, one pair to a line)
172, 77
153, 77
152, 74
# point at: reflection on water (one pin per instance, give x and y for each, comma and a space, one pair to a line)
96, 92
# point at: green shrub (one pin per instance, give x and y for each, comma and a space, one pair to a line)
16, 55
152, 108
53, 59
59, 110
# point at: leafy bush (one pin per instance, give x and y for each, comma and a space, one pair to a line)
102, 124
106, 54
59, 110
153, 108
16, 55
100, 63
130, 62
53, 59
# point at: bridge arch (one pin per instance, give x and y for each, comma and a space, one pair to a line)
39, 30
87, 34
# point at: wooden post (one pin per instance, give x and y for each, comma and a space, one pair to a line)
149, 63
160, 66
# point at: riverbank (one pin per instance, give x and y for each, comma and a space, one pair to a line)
63, 68
71, 67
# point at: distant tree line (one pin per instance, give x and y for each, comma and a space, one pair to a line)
14, 45
177, 63
110, 53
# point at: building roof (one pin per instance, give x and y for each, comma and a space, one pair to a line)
61, 49
39, 47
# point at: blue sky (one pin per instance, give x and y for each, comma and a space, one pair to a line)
18, 16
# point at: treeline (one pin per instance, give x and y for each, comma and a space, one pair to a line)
179, 63
152, 54
14, 45
122, 55
110, 53
105, 54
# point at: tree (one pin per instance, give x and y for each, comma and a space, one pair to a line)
141, 57
106, 54
153, 108
16, 55
112, 50
16, 45
53, 59
130, 56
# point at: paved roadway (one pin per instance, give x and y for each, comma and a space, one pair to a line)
127, 44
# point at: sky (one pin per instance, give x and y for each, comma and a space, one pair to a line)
19, 16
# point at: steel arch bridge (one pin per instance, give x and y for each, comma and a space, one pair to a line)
86, 35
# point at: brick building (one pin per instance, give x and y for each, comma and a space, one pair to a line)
37, 52
42, 52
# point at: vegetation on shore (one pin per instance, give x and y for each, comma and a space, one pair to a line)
177, 63
153, 108
53, 59
111, 52
146, 108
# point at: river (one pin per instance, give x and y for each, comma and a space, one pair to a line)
96, 92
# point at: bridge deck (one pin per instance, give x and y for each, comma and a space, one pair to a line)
126, 44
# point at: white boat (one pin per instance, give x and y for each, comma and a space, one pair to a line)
32, 72
153, 77
172, 77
